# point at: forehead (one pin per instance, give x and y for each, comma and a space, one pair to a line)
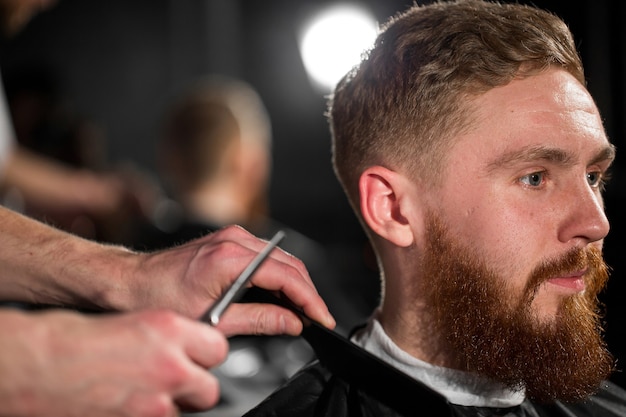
551, 110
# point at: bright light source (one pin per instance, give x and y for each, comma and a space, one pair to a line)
333, 42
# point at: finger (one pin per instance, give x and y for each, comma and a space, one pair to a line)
246, 240
232, 249
280, 272
285, 257
200, 393
150, 404
259, 319
275, 276
204, 345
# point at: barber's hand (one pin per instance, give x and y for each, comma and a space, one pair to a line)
150, 363
190, 277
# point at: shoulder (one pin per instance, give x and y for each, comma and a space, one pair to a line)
609, 401
298, 396
316, 391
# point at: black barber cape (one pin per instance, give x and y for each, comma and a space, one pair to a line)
346, 380
316, 392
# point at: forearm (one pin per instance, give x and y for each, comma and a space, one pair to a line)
41, 264
44, 265
47, 183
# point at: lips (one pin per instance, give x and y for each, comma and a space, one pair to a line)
573, 281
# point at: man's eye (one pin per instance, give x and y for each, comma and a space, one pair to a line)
595, 179
534, 180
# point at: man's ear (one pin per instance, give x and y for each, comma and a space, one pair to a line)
385, 204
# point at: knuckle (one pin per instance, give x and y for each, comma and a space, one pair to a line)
164, 320
231, 232
298, 265
172, 372
222, 250
290, 276
227, 248
178, 375
259, 323
158, 326
234, 229
266, 324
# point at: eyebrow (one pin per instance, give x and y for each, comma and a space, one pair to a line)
606, 154
544, 153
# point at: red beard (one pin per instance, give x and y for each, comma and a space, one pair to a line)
565, 359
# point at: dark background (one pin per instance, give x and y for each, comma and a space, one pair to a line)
120, 62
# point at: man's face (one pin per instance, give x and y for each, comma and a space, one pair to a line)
514, 240
525, 184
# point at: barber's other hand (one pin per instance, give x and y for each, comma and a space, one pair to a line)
149, 363
190, 277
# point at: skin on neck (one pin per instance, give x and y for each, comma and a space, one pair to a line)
219, 202
393, 205
407, 320
230, 194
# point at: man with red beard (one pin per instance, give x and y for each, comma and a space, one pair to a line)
475, 158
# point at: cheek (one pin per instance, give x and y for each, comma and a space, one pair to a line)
506, 237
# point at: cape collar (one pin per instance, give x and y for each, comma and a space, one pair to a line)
458, 387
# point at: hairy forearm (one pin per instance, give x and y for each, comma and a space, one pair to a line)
43, 265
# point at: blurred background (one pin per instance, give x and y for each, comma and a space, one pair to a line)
116, 66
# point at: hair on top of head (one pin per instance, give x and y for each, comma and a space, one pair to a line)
408, 97
209, 117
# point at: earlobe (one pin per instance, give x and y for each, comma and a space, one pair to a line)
384, 206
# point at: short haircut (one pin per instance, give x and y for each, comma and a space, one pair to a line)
199, 131
206, 120
410, 95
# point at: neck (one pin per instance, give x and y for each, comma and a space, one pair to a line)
414, 333
458, 387
406, 315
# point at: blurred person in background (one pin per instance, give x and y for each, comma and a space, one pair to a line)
215, 160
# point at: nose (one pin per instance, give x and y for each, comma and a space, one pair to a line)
585, 218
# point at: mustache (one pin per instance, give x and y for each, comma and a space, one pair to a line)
575, 260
